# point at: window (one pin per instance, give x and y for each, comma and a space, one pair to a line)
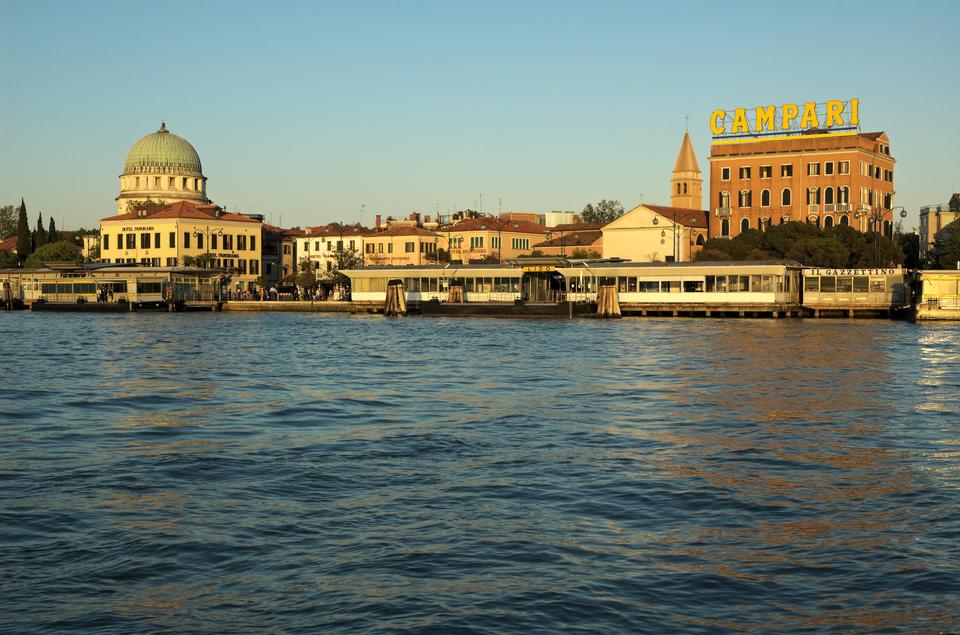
389, 248
145, 241
828, 284
744, 172
725, 227
724, 199
844, 220
199, 241
170, 182
253, 243
183, 183
495, 242
813, 196
106, 241
766, 171
409, 247
786, 170
828, 196
171, 262
828, 221
228, 244
861, 284
131, 241
811, 283
242, 242
369, 248
353, 244
813, 169
828, 167
521, 243
786, 197
156, 240
724, 174
744, 224
213, 242
156, 182
186, 240
746, 198
476, 242
173, 239
843, 195
255, 267
765, 198
843, 167
379, 248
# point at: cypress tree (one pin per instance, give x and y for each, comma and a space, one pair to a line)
52, 235
23, 233
39, 234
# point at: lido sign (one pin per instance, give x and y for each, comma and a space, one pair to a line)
786, 119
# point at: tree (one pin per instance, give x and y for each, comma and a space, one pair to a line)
144, 207
8, 221
604, 212
347, 259
839, 246
39, 234
581, 253
52, 235
24, 241
8, 260
63, 251
946, 247
306, 280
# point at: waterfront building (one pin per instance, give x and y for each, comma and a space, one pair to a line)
492, 238
575, 238
939, 297
164, 168
655, 233
402, 243
184, 234
933, 218
820, 169
320, 245
278, 257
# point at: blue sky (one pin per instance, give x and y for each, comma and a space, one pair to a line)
306, 111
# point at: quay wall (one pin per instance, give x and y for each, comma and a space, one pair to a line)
324, 306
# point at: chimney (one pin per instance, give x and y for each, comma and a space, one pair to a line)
377, 222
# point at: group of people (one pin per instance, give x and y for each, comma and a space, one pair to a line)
104, 294
264, 294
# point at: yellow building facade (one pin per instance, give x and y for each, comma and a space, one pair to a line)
402, 245
488, 238
183, 234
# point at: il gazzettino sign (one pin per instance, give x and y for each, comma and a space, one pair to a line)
809, 118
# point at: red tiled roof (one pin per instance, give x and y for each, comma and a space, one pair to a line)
573, 239
493, 224
686, 217
186, 209
575, 227
396, 230
8, 244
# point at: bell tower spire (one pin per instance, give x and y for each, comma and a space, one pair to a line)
687, 184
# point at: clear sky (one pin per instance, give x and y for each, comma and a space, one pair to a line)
306, 111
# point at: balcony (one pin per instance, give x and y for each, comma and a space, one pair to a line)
724, 212
813, 208
843, 207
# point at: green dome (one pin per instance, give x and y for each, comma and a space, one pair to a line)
163, 151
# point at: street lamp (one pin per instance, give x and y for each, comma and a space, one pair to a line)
207, 233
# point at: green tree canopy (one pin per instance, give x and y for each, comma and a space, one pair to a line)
52, 235
24, 239
838, 246
8, 221
8, 259
603, 212
946, 248
62, 251
40, 233
307, 280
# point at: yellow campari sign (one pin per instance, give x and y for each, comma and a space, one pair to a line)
829, 116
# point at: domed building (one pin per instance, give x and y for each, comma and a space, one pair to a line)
164, 168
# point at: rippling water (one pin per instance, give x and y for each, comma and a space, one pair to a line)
313, 473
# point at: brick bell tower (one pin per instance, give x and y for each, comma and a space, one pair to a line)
686, 185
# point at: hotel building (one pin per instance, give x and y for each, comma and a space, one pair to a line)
843, 178
492, 237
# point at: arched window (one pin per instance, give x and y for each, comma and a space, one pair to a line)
724, 199
785, 197
684, 188
828, 221
678, 188
765, 198
700, 240
843, 195
746, 198
744, 224
764, 223
844, 220
813, 196
725, 227
828, 196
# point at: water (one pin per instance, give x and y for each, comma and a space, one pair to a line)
311, 473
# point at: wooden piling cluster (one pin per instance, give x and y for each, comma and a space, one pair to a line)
608, 301
396, 299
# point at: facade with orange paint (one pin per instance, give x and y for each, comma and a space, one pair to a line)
827, 179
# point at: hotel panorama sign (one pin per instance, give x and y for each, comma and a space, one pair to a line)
743, 124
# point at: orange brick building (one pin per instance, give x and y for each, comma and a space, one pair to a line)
827, 179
